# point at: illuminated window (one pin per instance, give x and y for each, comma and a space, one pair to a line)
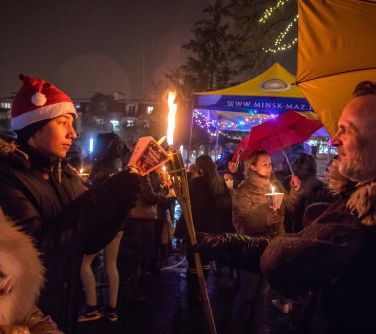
115, 125
100, 121
130, 123
5, 105
149, 109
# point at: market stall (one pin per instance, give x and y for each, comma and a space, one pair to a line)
233, 111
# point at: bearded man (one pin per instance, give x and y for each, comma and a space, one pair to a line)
335, 255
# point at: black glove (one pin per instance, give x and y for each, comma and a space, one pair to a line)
207, 245
232, 249
203, 245
125, 188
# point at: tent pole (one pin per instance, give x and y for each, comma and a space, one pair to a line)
216, 142
190, 138
288, 161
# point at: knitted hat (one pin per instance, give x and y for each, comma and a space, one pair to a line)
38, 100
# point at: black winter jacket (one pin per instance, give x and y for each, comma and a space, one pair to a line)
334, 256
47, 200
211, 212
137, 245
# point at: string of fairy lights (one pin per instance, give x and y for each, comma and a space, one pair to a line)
269, 11
279, 44
202, 119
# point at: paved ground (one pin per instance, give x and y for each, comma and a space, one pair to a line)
166, 310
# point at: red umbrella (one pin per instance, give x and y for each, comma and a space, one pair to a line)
240, 149
275, 134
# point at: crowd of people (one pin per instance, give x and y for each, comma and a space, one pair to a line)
331, 259
318, 245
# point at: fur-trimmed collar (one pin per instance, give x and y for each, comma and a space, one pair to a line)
362, 197
27, 156
21, 273
8, 148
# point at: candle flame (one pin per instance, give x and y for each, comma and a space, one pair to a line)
172, 107
273, 189
81, 170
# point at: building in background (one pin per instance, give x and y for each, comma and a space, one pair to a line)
5, 104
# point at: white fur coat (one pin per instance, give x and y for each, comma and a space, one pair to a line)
21, 274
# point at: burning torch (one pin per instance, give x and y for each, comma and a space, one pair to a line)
149, 155
179, 180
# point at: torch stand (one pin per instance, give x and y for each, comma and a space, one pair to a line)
179, 179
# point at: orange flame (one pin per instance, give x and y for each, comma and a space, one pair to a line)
172, 107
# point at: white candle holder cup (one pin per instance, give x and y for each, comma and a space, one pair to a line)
275, 200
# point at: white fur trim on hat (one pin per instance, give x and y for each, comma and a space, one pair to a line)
39, 114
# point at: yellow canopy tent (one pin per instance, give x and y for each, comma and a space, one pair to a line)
276, 81
336, 50
240, 107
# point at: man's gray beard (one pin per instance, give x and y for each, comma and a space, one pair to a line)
361, 167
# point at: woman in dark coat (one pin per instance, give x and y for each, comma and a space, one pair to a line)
211, 210
137, 250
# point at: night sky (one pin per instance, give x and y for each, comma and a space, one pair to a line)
87, 46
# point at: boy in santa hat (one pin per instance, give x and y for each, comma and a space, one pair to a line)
45, 196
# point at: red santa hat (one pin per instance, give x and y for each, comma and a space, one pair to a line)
38, 100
